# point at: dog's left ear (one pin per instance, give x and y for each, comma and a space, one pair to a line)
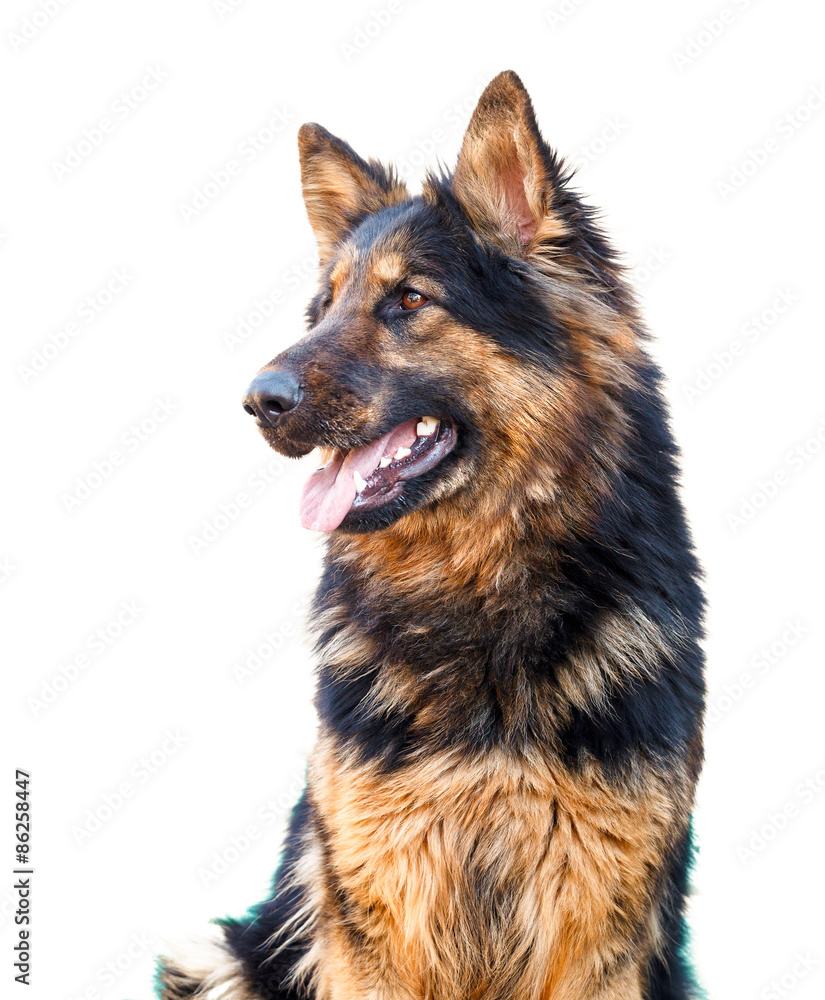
340, 188
505, 175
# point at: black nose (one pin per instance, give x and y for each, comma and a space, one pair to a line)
270, 394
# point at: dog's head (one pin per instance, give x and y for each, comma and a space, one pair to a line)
466, 346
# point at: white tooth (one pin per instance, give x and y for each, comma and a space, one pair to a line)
402, 453
385, 461
426, 426
360, 482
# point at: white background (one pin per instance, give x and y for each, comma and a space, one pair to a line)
700, 134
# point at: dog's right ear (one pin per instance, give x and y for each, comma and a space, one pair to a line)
340, 188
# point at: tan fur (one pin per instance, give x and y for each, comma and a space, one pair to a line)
386, 269
625, 647
496, 878
342, 269
336, 191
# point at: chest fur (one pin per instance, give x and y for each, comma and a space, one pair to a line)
544, 876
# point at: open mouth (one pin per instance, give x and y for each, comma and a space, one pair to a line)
367, 478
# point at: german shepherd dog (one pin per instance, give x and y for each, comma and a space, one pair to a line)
510, 680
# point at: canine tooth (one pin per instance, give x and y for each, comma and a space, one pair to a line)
402, 453
385, 461
426, 426
360, 482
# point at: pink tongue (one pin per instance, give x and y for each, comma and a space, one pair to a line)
330, 492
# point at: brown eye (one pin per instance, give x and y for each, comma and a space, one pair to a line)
412, 299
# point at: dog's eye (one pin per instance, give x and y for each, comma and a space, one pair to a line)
412, 299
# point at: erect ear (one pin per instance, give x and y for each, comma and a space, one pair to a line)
339, 187
505, 174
